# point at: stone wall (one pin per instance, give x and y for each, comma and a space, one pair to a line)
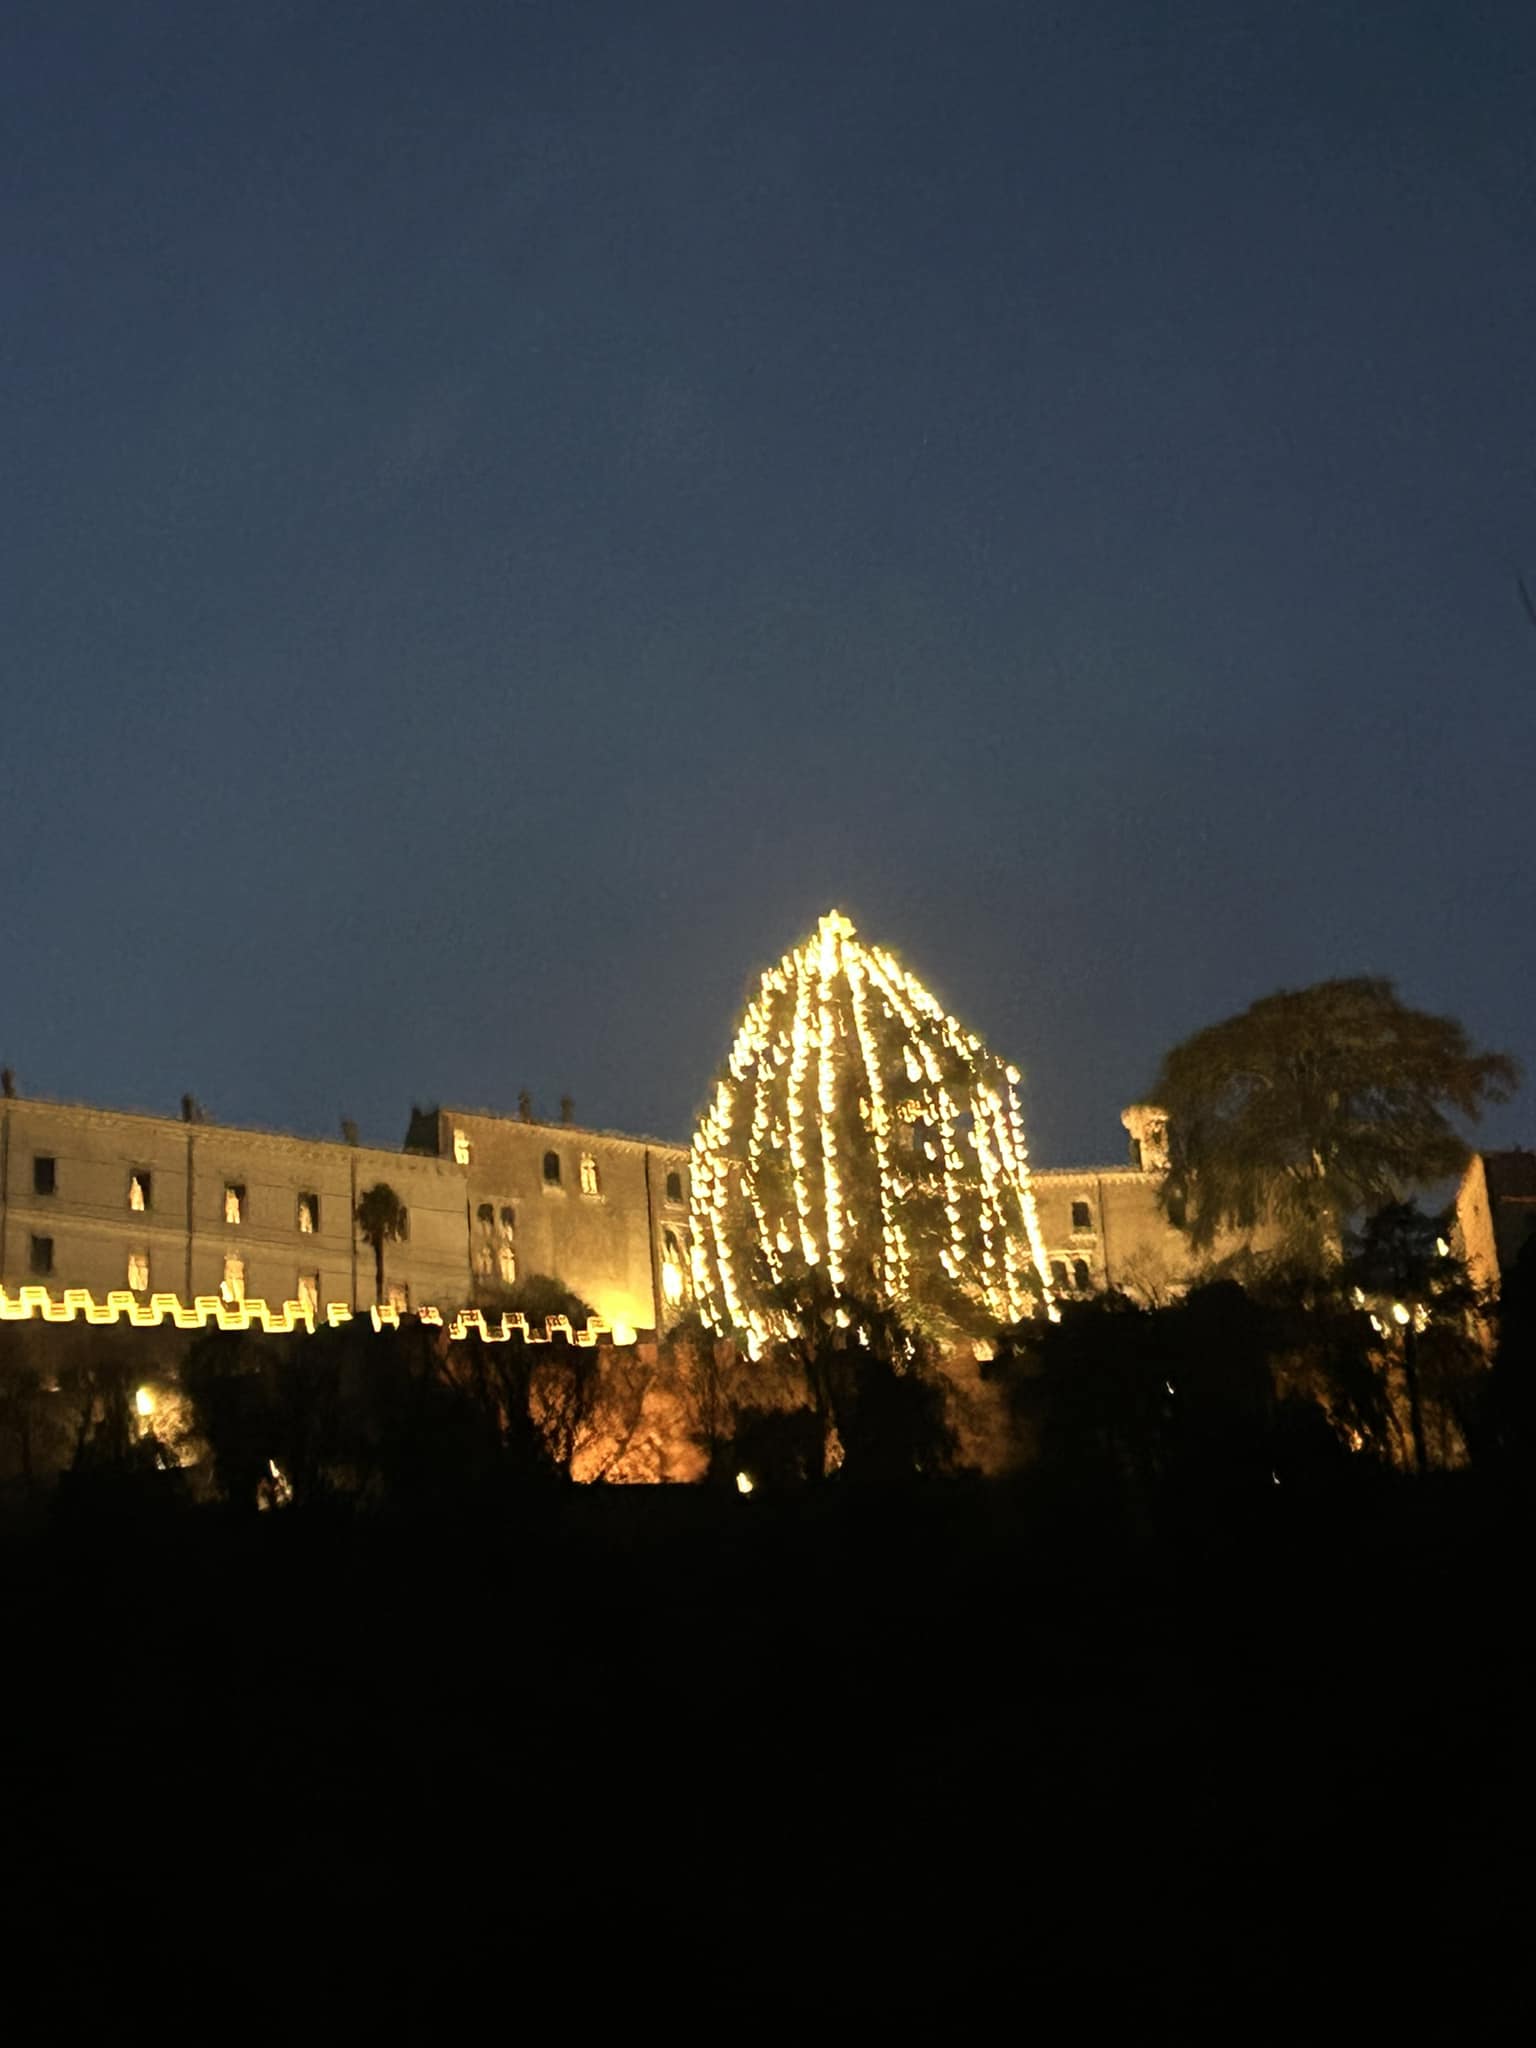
211, 1193
600, 1212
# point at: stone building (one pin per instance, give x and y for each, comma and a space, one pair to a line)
1495, 1213
1103, 1226
109, 1199
605, 1215
112, 1199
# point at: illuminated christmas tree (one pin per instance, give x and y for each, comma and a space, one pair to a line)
862, 1140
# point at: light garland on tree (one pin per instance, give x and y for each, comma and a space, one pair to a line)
859, 1130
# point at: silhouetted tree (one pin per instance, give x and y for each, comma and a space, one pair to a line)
1092, 1391
539, 1296
229, 1378
778, 1449
24, 1410
870, 1379
563, 1392
1402, 1269
1511, 1392
380, 1221
1313, 1106
714, 1385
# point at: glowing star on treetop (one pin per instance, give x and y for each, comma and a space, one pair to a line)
859, 1130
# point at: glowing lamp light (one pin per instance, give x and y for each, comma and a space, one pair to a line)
743, 1483
144, 1402
1400, 1314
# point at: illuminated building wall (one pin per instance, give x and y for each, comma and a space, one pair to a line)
1495, 1213
1103, 1229
144, 1203
104, 1199
606, 1215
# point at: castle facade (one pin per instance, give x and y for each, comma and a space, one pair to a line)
109, 1200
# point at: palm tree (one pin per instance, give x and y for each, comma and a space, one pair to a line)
380, 1221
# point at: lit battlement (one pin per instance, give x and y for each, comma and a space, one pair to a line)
210, 1311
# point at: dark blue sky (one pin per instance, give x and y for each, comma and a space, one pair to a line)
510, 511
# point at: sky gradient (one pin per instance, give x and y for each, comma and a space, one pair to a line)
512, 511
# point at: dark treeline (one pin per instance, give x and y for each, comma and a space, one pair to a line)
1288, 1375
1208, 1710
917, 1753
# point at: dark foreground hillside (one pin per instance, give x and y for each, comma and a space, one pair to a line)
687, 1762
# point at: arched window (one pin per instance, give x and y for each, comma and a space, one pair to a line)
674, 1272
506, 1251
485, 1217
1059, 1275
674, 1186
589, 1184
1082, 1279
551, 1169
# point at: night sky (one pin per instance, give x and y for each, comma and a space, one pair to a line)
510, 511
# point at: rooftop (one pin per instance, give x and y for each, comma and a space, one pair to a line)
1511, 1175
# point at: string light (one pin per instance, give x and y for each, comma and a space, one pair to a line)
211, 1311
840, 1051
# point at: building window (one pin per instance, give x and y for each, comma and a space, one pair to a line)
551, 1169
309, 1215
485, 1256
42, 1255
460, 1147
674, 1186
674, 1280
233, 1289
1081, 1278
399, 1298
45, 1174
589, 1184
309, 1292
405, 1223
1059, 1275
234, 1202
140, 1190
506, 1253
138, 1271
1082, 1216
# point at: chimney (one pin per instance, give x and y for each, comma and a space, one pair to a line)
525, 1106
567, 1110
7, 1084
348, 1131
1148, 1128
191, 1110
